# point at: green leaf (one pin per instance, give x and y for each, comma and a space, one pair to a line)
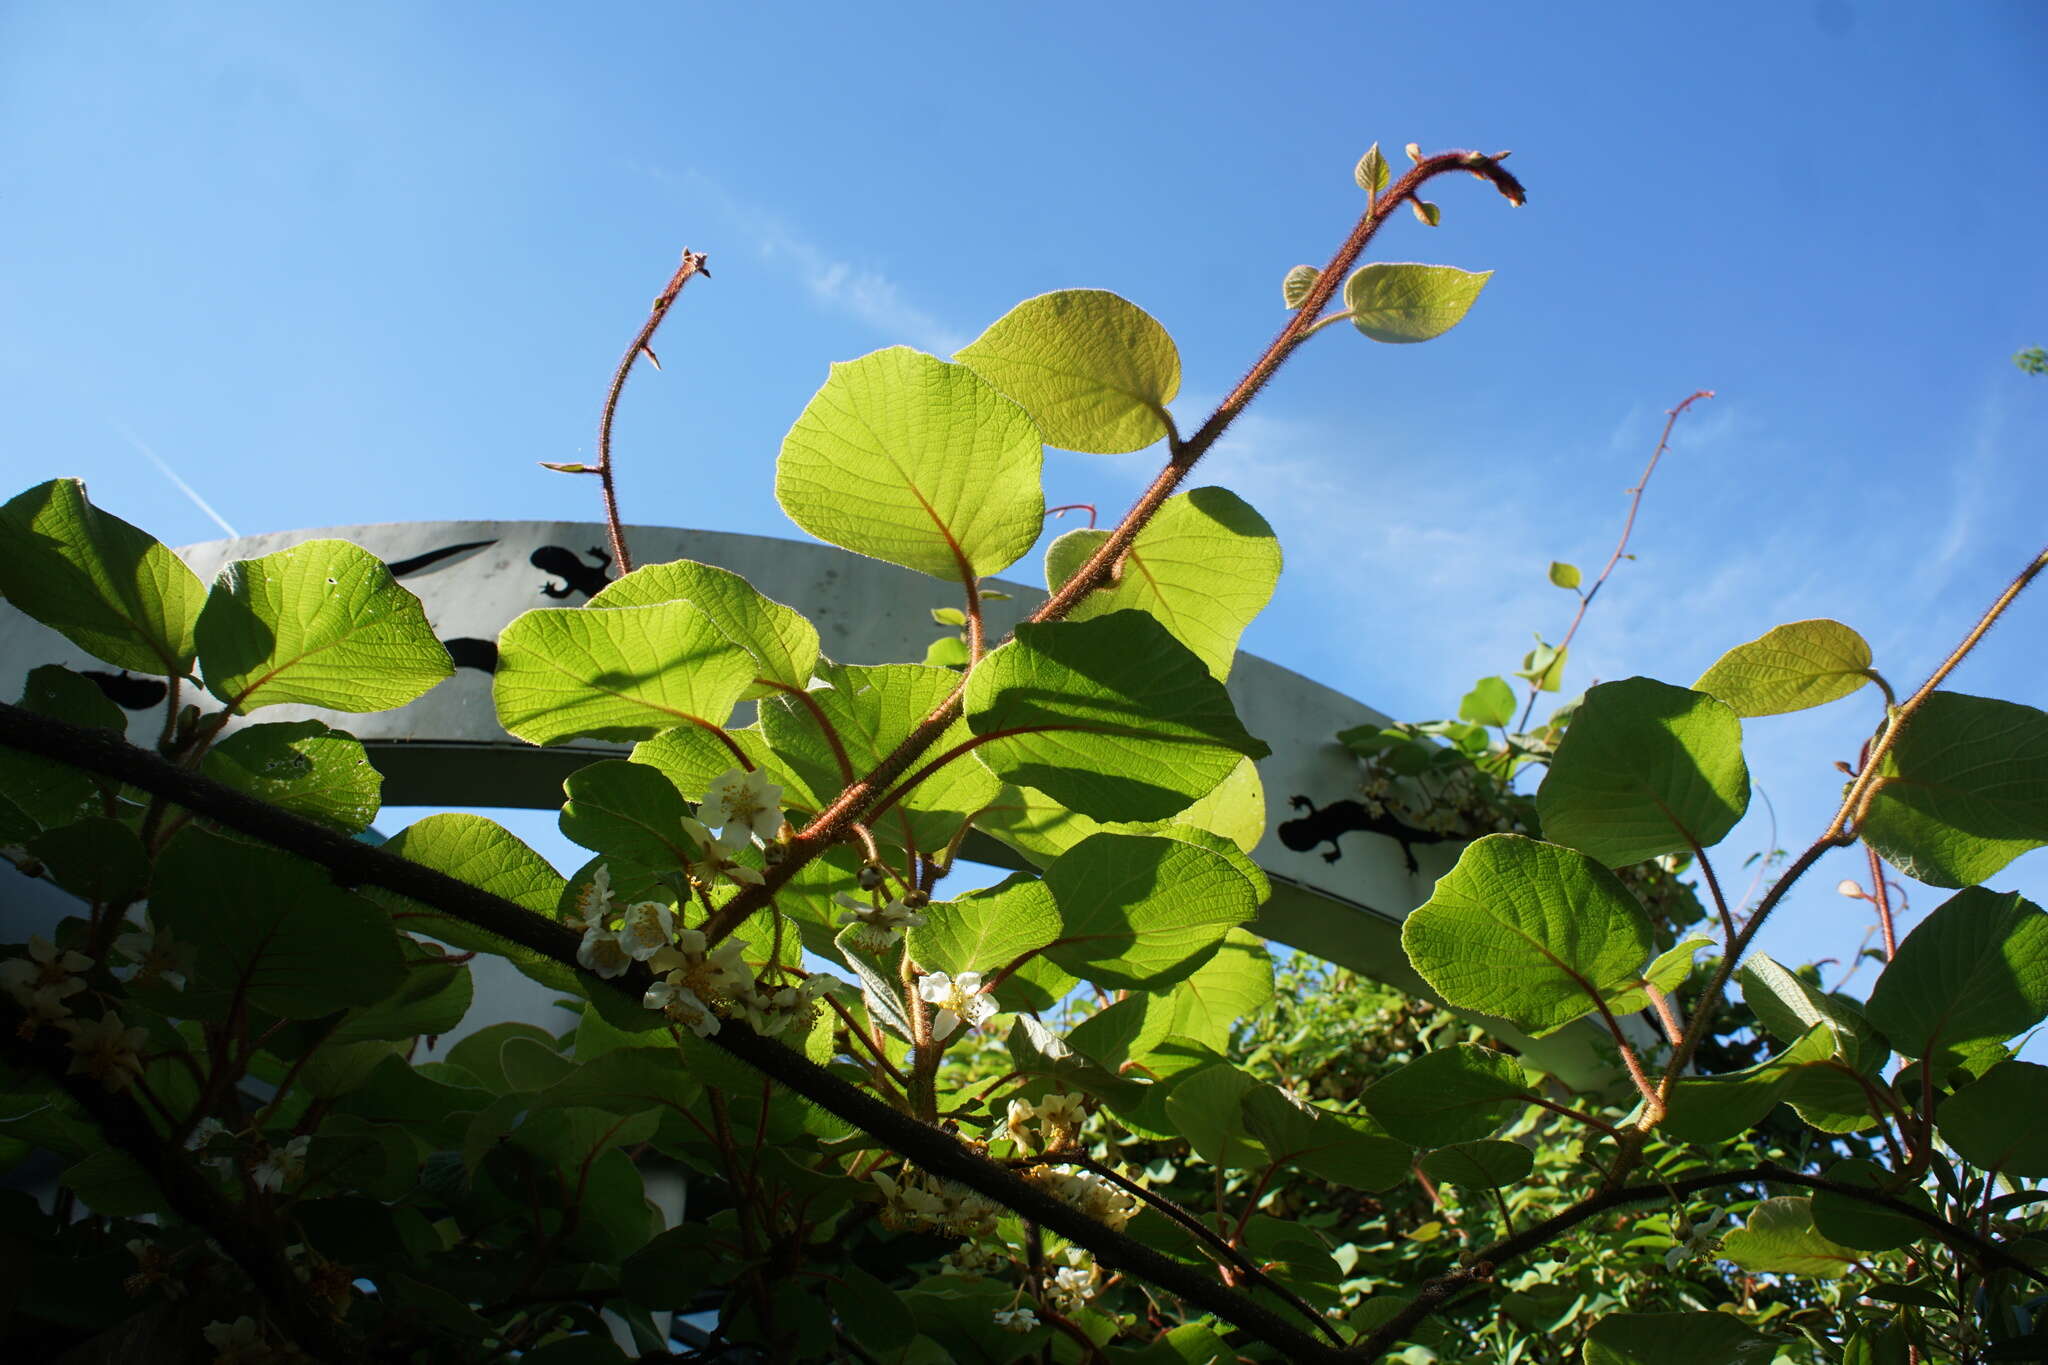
113, 1185
1429, 213
1528, 932
1484, 1165
322, 624
782, 644
1041, 828
430, 1000
95, 860
625, 673
484, 854
1788, 1007
630, 811
873, 710
1995, 1120
1712, 1109
271, 927
1095, 371
1975, 970
1296, 284
1867, 1227
1113, 717
1490, 702
1408, 302
1645, 769
1779, 1238
1234, 984
1372, 172
1544, 666
1345, 1149
303, 766
948, 616
1675, 1339
907, 459
1667, 973
1564, 575
1963, 792
1206, 1108
1142, 912
692, 758
109, 588
1455, 1094
1789, 668
986, 929
1205, 565
948, 651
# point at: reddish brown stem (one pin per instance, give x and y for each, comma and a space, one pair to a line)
693, 264
1880, 896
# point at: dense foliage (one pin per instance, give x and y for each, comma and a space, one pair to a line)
1069, 1117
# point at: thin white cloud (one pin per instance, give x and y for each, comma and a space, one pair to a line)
834, 284
187, 489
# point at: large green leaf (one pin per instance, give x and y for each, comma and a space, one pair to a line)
1205, 565
1345, 1149
1094, 370
983, 930
96, 859
1788, 1007
1974, 970
910, 460
1206, 1109
1486, 1164
272, 927
1041, 828
106, 586
484, 854
1529, 932
41, 793
1113, 717
1234, 985
322, 624
1403, 301
1675, 1339
628, 810
1865, 1226
783, 645
1963, 792
1645, 769
626, 673
303, 766
1789, 668
1995, 1120
692, 757
1142, 912
1779, 1238
1712, 1109
873, 710
1459, 1093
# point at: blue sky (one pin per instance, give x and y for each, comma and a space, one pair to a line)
370, 263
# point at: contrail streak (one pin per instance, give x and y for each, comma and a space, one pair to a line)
172, 475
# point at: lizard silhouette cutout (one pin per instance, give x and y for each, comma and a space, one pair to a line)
469, 652
401, 567
1338, 818
130, 694
568, 566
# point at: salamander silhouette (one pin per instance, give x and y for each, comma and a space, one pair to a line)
1342, 817
130, 694
568, 566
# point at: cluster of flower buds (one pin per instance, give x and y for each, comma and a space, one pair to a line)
1059, 1121
920, 1201
43, 982
972, 1261
1088, 1192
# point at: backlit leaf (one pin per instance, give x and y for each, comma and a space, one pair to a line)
1645, 769
322, 624
1975, 970
1094, 370
1490, 702
623, 674
1995, 1120
784, 645
303, 766
1963, 792
1295, 285
1142, 912
1779, 1237
1404, 301
1527, 931
1454, 1094
1789, 668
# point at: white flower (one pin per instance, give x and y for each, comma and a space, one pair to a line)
107, 1051
1695, 1239
44, 969
283, 1166
1072, 1286
648, 928
879, 925
720, 853
157, 957
744, 799
601, 952
1016, 1319
1061, 1117
683, 1006
954, 999
594, 901
1020, 1113
907, 1202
